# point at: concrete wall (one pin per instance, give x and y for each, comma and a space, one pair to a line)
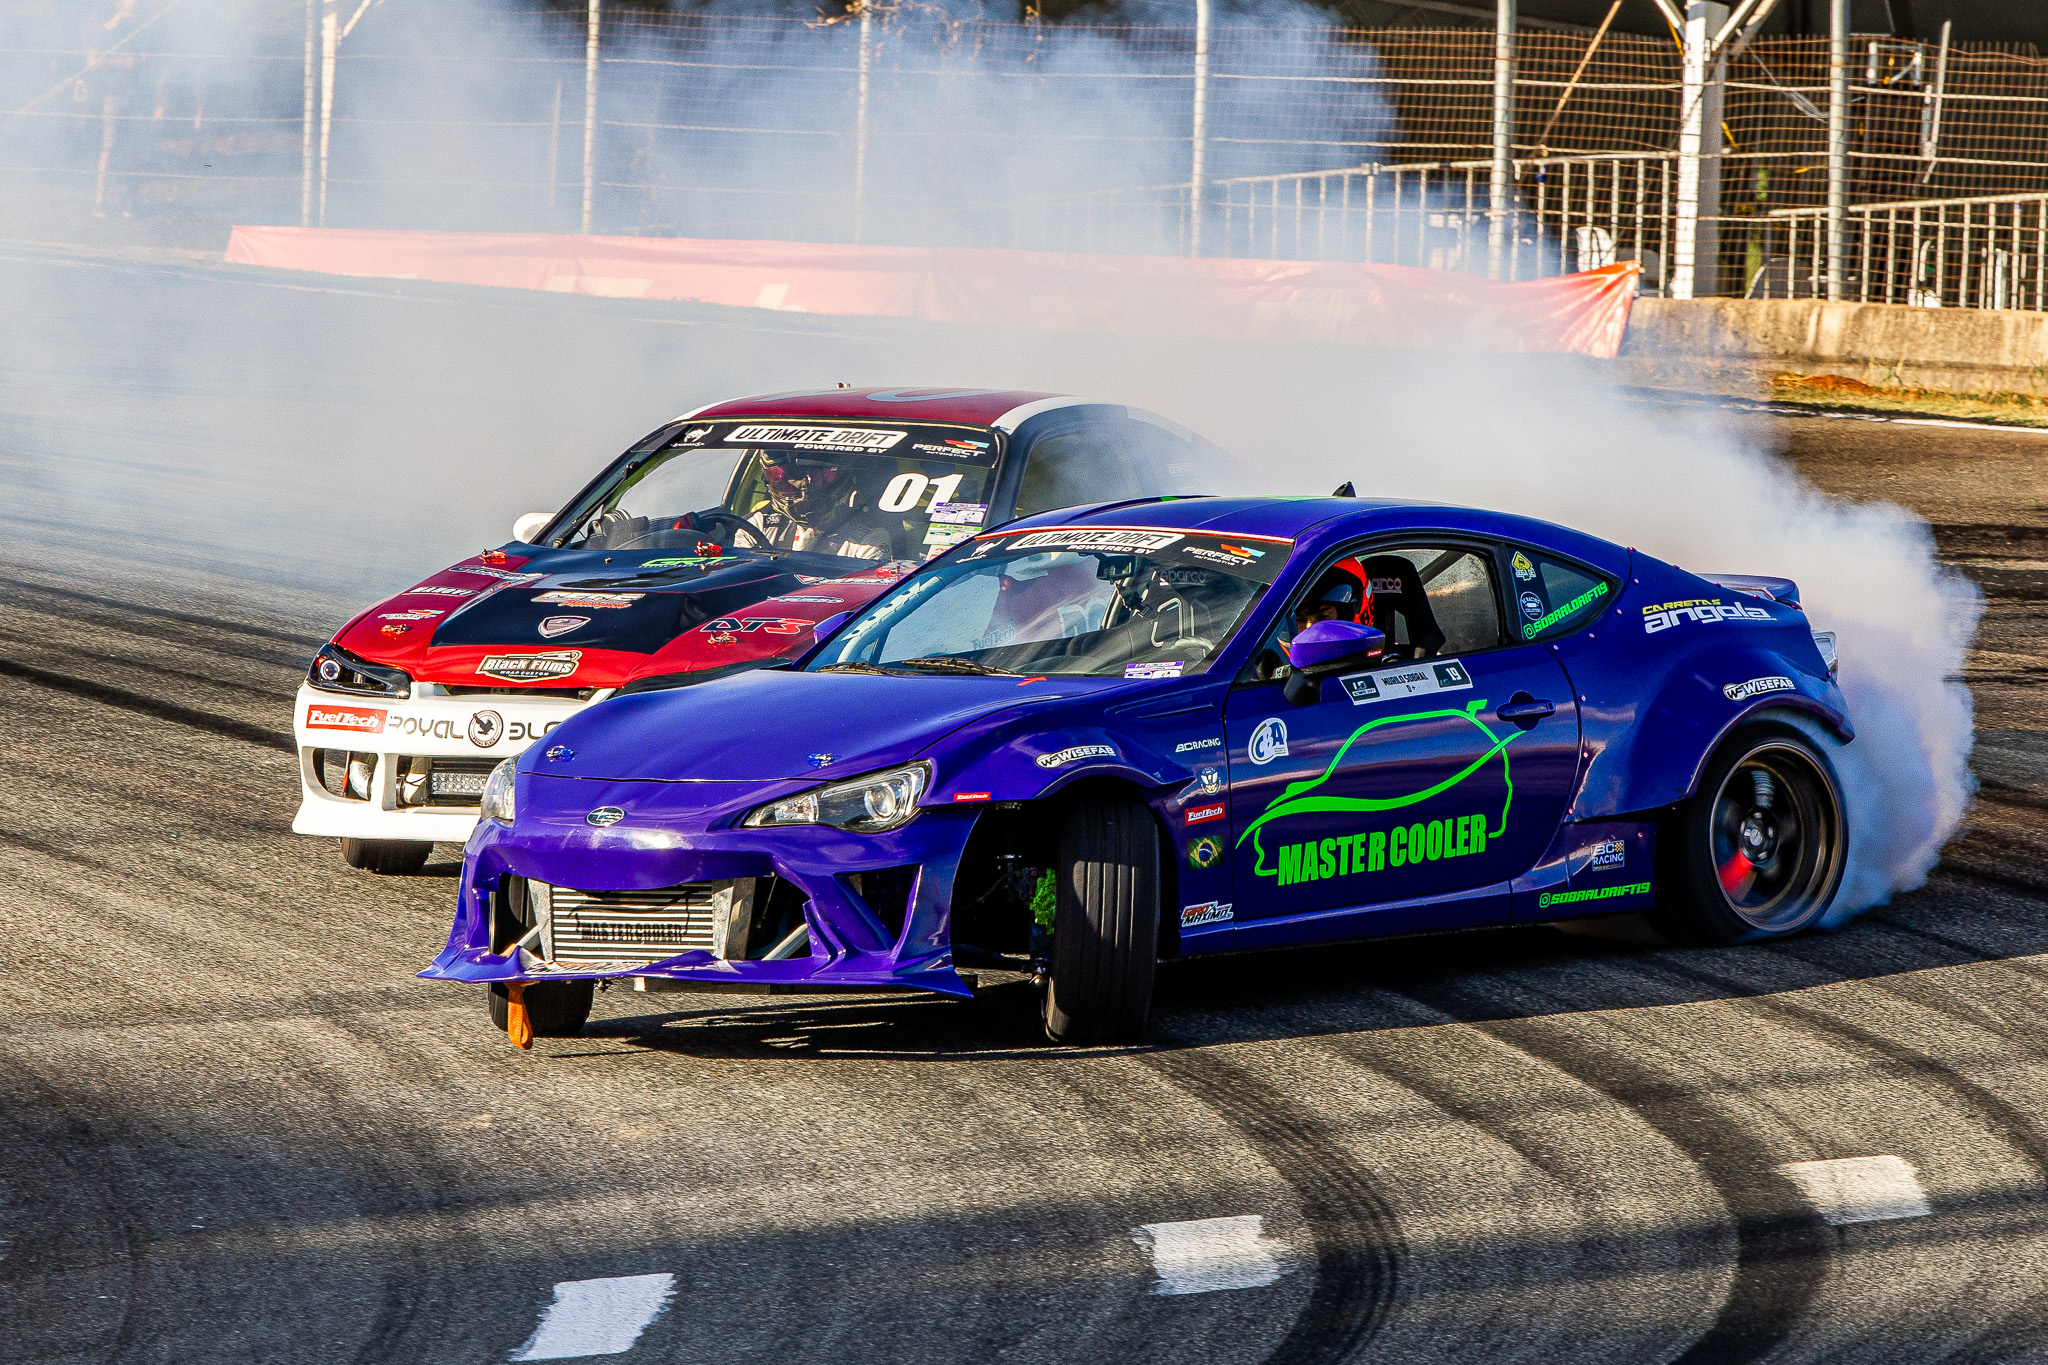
1734, 346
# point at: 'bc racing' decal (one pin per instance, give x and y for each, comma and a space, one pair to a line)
1371, 851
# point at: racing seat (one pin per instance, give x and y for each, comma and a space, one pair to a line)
1398, 595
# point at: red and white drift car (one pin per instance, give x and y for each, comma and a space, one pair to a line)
712, 546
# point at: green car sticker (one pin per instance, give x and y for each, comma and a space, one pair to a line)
1368, 852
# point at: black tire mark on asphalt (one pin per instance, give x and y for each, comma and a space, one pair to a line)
74, 656
1782, 1249
149, 706
211, 623
1358, 1244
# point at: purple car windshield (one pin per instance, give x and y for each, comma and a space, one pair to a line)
1091, 601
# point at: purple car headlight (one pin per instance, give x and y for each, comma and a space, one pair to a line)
496, 803
865, 805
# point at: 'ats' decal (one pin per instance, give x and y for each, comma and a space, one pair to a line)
361, 719
1388, 684
1756, 687
1208, 912
772, 625
1374, 850
555, 663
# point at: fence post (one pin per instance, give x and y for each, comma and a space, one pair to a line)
1498, 184
330, 39
306, 115
1838, 139
590, 110
1201, 127
860, 127
1697, 234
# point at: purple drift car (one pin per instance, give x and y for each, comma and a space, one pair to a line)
1090, 740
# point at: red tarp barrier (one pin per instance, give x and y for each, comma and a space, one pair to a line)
1311, 301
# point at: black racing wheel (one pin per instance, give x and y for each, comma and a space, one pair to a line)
1105, 944
1758, 850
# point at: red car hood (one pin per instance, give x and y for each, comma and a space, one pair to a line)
577, 620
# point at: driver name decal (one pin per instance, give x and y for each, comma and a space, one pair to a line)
1412, 681
816, 438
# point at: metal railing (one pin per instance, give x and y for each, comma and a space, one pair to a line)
1990, 251
1570, 213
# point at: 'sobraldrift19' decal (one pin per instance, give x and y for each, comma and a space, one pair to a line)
1704, 610
1577, 604
1756, 687
1375, 850
1592, 893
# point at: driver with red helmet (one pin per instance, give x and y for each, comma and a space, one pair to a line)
819, 505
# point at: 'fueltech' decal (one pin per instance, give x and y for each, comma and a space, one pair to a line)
1460, 836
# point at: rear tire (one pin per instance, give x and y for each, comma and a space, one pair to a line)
1758, 850
390, 857
555, 1009
1106, 930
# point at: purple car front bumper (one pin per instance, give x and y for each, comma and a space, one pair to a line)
676, 833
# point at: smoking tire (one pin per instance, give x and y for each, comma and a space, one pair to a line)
1757, 851
387, 857
555, 1009
1106, 929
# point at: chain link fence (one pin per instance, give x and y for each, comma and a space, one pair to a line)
898, 125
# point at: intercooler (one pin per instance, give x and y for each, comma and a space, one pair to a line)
579, 927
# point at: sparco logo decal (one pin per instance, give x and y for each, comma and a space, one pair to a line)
555, 663
345, 718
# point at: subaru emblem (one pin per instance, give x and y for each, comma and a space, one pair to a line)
604, 815
820, 760
559, 752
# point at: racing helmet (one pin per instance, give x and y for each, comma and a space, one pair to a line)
803, 490
1339, 595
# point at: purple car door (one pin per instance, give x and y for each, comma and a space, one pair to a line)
1433, 775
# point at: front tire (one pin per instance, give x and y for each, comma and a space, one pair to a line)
554, 1009
1105, 945
1758, 850
388, 857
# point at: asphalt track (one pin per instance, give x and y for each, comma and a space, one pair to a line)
235, 1128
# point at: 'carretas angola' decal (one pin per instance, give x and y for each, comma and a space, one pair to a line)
1372, 851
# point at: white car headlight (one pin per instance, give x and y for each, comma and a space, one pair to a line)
865, 805
497, 803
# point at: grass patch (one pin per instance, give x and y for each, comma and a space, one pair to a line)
1836, 391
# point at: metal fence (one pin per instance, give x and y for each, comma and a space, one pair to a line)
899, 125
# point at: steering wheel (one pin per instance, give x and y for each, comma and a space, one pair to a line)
1195, 645
728, 525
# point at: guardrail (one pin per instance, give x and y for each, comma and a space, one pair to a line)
1987, 252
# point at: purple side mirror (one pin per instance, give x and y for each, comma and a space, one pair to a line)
1327, 643
829, 624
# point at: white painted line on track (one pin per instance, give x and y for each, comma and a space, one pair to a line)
597, 1317
1208, 1254
1860, 1189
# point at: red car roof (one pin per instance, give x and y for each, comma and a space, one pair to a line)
978, 407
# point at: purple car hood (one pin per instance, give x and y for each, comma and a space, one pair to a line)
775, 724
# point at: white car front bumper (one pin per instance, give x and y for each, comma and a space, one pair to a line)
408, 770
